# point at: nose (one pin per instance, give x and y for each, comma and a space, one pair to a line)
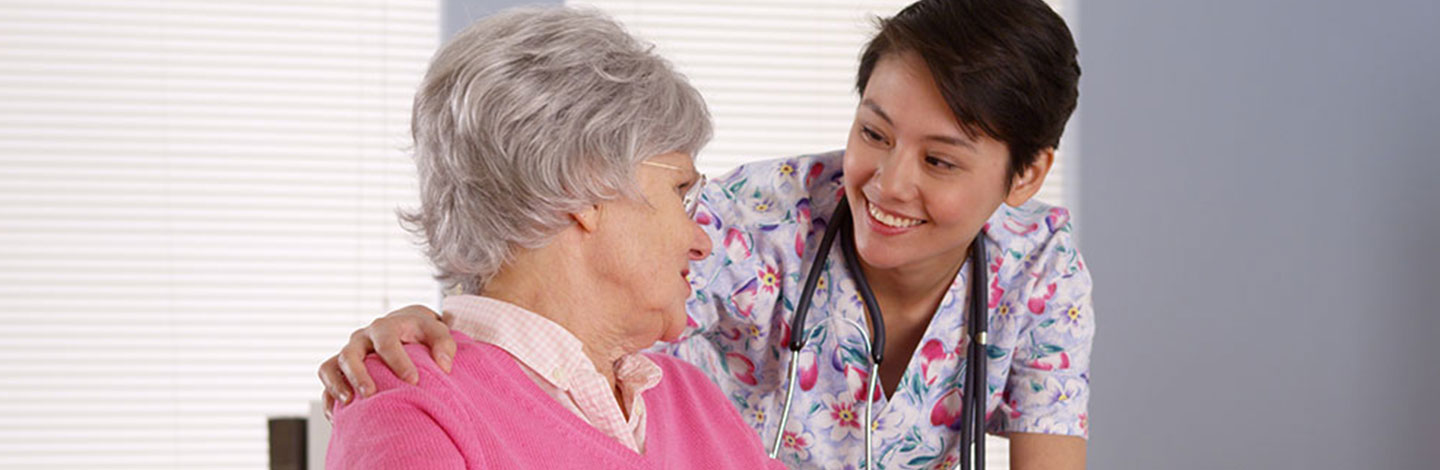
699, 243
895, 176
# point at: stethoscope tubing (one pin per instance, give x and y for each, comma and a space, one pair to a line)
975, 389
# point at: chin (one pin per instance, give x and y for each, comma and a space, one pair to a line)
880, 255
674, 324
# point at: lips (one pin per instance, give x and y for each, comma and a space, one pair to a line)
890, 219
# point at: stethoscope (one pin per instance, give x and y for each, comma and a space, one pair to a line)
972, 414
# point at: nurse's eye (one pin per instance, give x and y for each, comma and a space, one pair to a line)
940, 163
871, 135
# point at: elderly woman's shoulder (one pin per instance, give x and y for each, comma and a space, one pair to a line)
473, 361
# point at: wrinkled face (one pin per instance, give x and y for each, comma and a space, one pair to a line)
648, 244
919, 187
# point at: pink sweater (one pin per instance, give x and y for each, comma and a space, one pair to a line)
488, 414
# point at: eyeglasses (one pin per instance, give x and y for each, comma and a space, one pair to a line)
691, 200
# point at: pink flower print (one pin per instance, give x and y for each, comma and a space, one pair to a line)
800, 243
858, 380
841, 415
796, 439
741, 368
1057, 218
809, 372
933, 360
951, 460
815, 171
1052, 362
744, 298
802, 212
996, 292
1085, 423
1037, 304
784, 333
769, 277
947, 411
737, 245
1012, 408
1016, 227
704, 218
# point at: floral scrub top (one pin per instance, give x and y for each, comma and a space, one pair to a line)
767, 218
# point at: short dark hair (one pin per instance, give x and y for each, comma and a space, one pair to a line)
1006, 68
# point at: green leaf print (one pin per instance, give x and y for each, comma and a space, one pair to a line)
920, 461
735, 187
853, 355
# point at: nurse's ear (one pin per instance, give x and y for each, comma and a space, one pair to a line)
588, 220
1028, 181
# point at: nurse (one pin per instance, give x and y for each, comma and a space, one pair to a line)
962, 104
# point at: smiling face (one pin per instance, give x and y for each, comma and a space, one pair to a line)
919, 186
647, 244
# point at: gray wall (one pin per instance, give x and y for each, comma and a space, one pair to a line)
455, 15
1261, 216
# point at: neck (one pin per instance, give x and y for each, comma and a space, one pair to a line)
524, 283
909, 292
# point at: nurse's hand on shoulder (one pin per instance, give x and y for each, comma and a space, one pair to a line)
345, 372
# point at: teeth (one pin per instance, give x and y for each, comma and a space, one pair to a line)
891, 220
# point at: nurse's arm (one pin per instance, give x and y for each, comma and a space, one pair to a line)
1030, 451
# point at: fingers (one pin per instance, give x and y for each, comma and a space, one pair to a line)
329, 405
442, 346
418, 312
352, 363
336, 388
387, 334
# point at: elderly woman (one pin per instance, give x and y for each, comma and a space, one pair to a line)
556, 165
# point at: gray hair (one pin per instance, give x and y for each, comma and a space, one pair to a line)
532, 114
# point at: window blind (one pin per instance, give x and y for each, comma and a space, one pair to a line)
196, 207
